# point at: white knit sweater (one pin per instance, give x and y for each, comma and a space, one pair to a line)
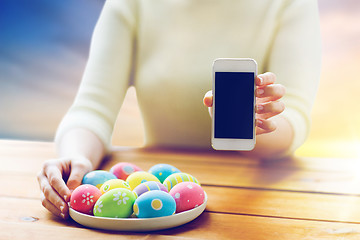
165, 48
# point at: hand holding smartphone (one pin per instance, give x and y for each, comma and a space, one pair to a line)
233, 122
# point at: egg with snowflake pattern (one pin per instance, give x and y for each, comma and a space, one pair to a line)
84, 198
116, 203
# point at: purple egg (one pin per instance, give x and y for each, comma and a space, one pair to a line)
149, 186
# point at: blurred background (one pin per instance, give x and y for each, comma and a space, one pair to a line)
43, 50
44, 47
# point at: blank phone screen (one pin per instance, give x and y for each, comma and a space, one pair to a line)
234, 105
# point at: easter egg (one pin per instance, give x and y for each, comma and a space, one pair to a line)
187, 195
149, 186
123, 170
155, 203
97, 177
162, 171
116, 203
84, 198
176, 178
112, 184
139, 177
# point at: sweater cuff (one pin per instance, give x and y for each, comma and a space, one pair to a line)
99, 128
300, 125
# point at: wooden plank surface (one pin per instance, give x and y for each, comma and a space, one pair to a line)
19, 214
231, 170
248, 199
238, 201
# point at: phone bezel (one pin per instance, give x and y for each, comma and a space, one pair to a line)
233, 65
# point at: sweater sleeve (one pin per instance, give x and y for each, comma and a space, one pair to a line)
295, 58
107, 73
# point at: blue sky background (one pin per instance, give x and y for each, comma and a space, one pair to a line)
43, 50
44, 24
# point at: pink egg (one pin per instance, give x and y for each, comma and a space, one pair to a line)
124, 169
84, 198
187, 195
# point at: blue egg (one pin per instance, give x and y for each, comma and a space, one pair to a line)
162, 171
154, 203
97, 178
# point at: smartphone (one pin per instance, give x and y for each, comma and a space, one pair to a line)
233, 121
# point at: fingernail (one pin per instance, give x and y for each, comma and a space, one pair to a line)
62, 215
62, 208
259, 122
260, 91
65, 198
261, 80
260, 107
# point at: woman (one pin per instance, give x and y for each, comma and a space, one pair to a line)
166, 49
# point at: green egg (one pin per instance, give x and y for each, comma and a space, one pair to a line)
116, 203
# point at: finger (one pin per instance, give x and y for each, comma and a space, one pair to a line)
259, 131
79, 169
270, 109
56, 181
208, 99
265, 126
49, 206
272, 92
265, 79
52, 197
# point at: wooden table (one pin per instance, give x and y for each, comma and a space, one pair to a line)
308, 198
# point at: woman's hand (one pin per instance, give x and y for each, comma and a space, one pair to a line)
58, 178
268, 103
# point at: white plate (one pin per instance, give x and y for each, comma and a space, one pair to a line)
138, 224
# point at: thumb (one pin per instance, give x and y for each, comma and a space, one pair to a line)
208, 99
78, 170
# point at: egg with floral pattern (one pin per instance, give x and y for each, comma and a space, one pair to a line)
116, 203
124, 169
97, 178
112, 184
139, 177
187, 195
155, 203
176, 178
84, 198
162, 171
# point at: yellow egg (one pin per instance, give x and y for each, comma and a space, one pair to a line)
139, 177
112, 184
